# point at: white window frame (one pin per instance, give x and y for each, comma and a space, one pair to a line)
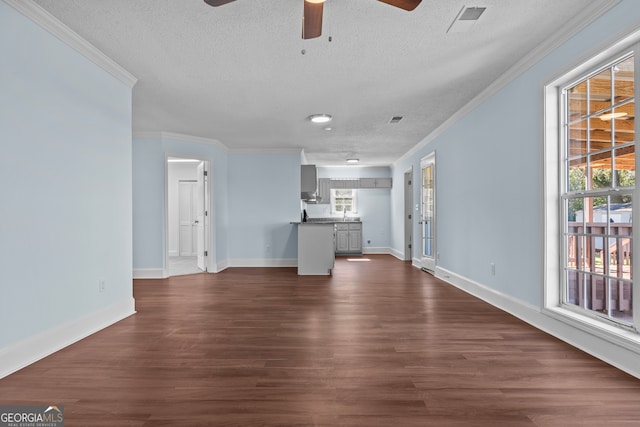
354, 201
553, 212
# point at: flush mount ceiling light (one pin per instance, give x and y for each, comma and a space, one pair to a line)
320, 118
180, 160
610, 116
353, 161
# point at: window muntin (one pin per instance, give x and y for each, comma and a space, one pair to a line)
343, 201
597, 192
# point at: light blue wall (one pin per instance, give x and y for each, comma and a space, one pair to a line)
264, 196
489, 174
65, 179
374, 204
149, 232
255, 196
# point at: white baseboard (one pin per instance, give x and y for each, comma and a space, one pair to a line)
376, 251
30, 350
150, 273
624, 358
220, 266
263, 262
396, 253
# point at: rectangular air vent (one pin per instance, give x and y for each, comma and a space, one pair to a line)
466, 18
396, 119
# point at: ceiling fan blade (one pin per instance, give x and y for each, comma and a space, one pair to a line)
403, 4
312, 20
216, 3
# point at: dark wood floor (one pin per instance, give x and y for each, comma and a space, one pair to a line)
378, 344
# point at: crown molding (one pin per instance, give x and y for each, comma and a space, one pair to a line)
44, 19
209, 141
265, 151
580, 21
181, 138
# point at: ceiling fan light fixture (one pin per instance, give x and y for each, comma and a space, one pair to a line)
320, 118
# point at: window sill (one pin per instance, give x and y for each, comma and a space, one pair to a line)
622, 337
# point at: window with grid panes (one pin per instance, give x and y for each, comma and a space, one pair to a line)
597, 192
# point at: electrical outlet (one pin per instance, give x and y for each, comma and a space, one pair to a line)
493, 269
102, 285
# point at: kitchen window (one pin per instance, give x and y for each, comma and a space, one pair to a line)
343, 201
590, 186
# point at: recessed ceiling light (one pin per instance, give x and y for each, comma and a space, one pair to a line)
320, 118
179, 160
328, 128
353, 160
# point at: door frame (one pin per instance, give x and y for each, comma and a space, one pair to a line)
408, 214
429, 262
209, 241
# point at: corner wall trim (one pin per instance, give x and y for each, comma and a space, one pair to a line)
607, 351
32, 349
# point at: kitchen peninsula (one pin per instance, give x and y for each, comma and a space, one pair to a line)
316, 253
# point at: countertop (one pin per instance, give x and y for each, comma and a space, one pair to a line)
328, 221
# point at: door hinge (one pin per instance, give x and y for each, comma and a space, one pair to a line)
206, 213
206, 253
206, 173
410, 246
409, 216
409, 183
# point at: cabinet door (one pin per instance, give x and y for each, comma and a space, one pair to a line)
324, 191
355, 240
383, 182
342, 241
367, 183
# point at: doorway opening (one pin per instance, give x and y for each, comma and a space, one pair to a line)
408, 215
428, 212
187, 215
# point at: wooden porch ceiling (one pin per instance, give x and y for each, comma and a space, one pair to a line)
592, 128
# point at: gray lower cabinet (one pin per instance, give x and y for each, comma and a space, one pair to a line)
349, 238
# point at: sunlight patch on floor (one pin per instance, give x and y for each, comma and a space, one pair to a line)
358, 259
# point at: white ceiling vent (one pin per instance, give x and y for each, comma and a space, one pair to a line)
467, 17
396, 119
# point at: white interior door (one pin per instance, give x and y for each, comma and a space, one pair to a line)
199, 198
186, 218
428, 211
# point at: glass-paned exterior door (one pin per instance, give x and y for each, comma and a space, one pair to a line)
427, 211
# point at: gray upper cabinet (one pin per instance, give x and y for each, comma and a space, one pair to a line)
345, 183
324, 191
367, 183
375, 182
383, 182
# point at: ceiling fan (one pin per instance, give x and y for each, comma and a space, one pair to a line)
312, 15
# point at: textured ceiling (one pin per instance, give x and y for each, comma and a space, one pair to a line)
236, 73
